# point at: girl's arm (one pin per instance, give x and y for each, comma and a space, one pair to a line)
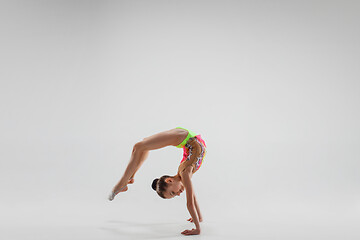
197, 209
190, 203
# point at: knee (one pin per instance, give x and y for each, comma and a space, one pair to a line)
139, 146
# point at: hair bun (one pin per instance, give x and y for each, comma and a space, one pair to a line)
154, 183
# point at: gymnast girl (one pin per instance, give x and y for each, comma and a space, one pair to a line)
194, 150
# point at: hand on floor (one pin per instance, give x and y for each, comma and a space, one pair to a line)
191, 232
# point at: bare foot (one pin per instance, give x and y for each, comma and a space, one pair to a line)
122, 189
131, 181
115, 192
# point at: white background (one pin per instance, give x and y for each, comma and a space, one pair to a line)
272, 86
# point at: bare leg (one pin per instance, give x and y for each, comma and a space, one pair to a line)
142, 159
140, 153
137, 154
137, 158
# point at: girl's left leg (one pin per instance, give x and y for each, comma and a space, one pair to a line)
142, 159
134, 165
142, 156
140, 153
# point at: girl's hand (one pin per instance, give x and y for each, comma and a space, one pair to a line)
191, 232
191, 220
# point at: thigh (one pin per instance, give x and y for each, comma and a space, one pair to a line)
166, 138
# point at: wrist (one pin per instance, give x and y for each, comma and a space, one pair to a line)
197, 225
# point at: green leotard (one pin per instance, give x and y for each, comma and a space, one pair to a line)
190, 135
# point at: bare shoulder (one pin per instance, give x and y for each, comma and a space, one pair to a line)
186, 175
186, 179
188, 171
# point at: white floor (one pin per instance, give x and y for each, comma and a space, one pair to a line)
272, 87
123, 219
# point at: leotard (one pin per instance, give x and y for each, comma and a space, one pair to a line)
194, 151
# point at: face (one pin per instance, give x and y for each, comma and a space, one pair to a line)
175, 188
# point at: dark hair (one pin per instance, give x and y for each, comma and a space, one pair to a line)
160, 186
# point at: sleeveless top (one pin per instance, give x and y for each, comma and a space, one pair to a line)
194, 151
190, 135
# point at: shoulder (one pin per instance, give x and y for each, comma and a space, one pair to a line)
187, 172
186, 175
186, 179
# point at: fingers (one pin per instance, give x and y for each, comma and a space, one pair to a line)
188, 232
190, 219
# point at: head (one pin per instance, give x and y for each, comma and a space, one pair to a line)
168, 187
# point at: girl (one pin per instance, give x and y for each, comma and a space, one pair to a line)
169, 186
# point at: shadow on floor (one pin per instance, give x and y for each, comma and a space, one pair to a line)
141, 230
